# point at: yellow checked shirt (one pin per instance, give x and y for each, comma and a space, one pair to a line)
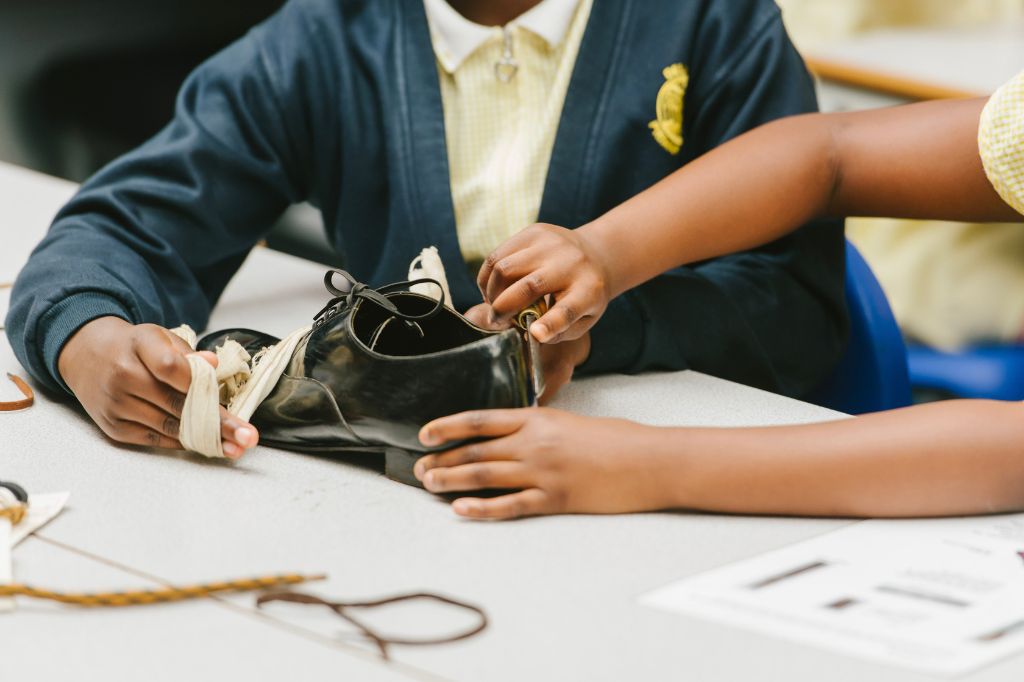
953, 284
500, 134
1001, 142
950, 285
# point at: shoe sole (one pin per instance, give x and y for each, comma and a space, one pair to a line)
398, 464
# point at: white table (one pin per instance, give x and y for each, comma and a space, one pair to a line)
560, 592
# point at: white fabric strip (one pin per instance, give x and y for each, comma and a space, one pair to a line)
268, 366
234, 383
428, 265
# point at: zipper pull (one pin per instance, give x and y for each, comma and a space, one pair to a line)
505, 69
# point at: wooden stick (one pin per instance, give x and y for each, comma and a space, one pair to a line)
886, 83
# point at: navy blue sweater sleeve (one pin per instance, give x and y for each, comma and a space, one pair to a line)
156, 235
773, 317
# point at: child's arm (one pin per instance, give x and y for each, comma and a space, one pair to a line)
155, 236
918, 161
951, 458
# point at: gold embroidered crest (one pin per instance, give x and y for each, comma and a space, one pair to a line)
668, 128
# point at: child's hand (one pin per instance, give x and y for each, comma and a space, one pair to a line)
548, 260
559, 462
132, 381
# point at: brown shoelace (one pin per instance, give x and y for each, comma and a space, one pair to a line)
383, 641
26, 391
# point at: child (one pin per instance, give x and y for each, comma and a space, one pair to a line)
414, 123
953, 458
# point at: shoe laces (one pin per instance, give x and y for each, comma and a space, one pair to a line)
351, 290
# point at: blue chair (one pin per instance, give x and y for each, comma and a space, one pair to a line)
872, 374
995, 372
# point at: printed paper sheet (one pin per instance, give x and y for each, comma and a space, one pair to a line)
940, 596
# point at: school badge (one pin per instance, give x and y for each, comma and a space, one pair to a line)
668, 128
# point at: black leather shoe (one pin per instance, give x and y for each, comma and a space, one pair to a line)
378, 365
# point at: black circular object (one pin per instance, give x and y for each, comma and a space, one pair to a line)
18, 491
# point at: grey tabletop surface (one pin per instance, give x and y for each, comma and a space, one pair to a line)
561, 592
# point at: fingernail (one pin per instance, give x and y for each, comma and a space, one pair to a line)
461, 507
428, 480
245, 436
208, 356
417, 470
232, 451
427, 437
540, 332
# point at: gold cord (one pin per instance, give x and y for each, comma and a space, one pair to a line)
143, 597
15, 512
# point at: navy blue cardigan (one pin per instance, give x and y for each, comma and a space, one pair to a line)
337, 102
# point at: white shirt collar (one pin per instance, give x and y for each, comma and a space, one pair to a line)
455, 37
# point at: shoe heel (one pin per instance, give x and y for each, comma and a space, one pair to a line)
398, 466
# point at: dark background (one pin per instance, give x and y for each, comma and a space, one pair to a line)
83, 81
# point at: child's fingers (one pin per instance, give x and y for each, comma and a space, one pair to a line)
480, 315
525, 291
236, 431
477, 476
481, 451
475, 424
176, 341
134, 433
146, 387
237, 435
510, 246
530, 502
209, 356
163, 364
512, 269
139, 411
553, 325
163, 359
575, 331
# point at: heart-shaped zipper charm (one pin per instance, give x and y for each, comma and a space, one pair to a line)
506, 69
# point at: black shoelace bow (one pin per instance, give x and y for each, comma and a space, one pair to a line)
346, 297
